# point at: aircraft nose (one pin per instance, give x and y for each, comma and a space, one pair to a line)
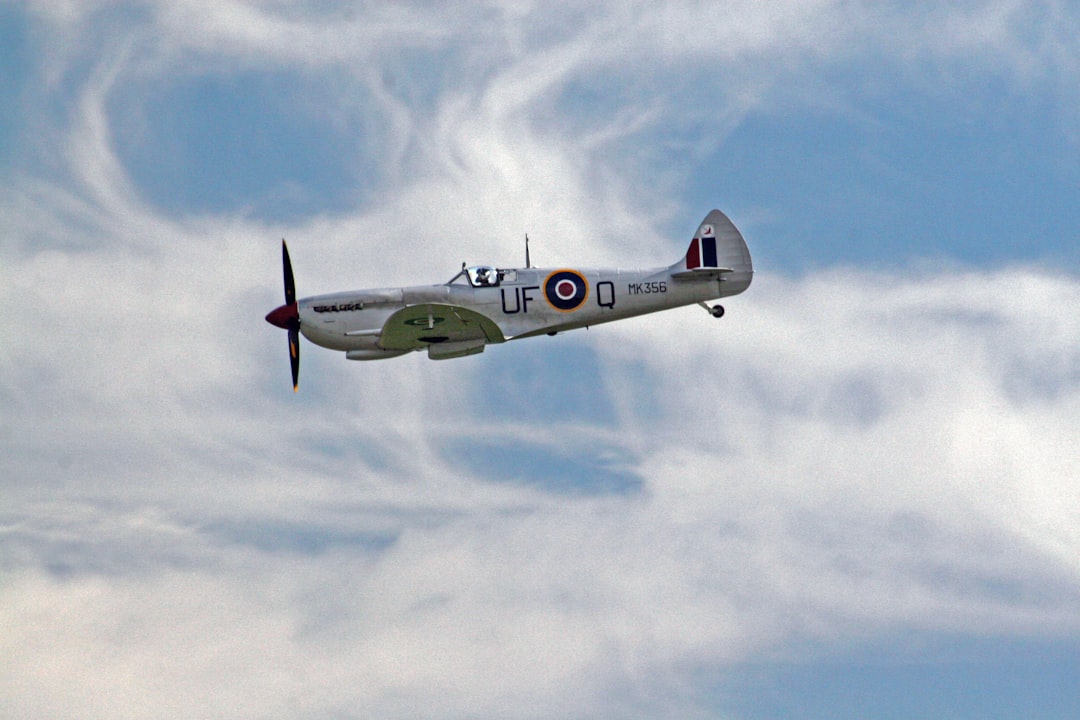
284, 317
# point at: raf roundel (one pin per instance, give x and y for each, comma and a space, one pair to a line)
566, 290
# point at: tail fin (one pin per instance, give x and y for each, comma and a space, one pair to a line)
717, 247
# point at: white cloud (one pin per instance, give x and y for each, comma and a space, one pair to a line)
876, 461
845, 455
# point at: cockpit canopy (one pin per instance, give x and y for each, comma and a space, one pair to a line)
483, 276
479, 276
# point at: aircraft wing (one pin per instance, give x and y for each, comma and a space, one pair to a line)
446, 330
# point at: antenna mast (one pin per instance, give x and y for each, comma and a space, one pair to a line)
528, 262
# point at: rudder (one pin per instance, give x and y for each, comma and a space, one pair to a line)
717, 246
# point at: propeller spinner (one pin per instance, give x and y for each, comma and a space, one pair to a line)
287, 317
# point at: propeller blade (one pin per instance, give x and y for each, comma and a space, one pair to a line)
290, 284
287, 317
294, 356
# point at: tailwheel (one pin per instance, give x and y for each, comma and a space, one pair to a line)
717, 311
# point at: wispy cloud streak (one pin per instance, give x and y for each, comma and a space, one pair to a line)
557, 527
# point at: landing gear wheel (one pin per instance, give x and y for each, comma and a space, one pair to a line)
717, 311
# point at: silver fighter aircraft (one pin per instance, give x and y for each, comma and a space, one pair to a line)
482, 305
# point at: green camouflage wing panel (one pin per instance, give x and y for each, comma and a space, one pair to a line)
419, 326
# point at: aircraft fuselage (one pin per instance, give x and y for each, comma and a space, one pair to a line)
524, 303
484, 305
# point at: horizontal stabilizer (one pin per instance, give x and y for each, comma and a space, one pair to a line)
702, 273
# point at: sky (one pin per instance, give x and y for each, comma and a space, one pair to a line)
856, 495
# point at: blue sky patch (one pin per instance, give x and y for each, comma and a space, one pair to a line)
286, 537
16, 49
977, 179
958, 678
569, 470
254, 143
550, 380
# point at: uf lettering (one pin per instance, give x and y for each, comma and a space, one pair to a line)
521, 299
